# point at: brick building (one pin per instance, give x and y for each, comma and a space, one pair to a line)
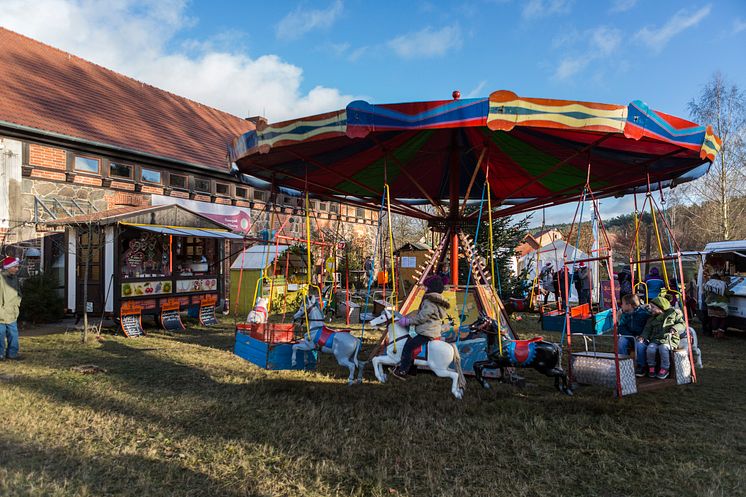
78, 139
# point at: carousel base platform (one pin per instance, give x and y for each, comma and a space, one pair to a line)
268, 355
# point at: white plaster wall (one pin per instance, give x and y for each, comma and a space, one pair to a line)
10, 176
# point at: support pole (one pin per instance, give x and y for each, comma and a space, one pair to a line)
454, 211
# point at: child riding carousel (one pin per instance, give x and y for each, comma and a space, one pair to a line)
428, 323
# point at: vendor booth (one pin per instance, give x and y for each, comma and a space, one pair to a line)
143, 258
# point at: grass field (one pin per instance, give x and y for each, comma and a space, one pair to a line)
178, 414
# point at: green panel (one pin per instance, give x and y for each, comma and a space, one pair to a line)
248, 284
536, 162
373, 173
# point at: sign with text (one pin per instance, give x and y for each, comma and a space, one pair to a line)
170, 316
207, 311
130, 318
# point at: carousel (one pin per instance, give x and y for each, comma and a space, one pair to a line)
456, 162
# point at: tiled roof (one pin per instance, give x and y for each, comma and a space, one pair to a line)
47, 89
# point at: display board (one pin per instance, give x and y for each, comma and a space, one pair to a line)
170, 316
207, 311
130, 318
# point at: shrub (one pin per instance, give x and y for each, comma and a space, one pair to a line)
40, 302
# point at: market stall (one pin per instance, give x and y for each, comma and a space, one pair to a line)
144, 256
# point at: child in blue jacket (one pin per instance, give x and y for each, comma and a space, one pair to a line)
631, 323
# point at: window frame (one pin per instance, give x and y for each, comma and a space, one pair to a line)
238, 194
88, 157
227, 186
185, 177
208, 190
143, 180
117, 177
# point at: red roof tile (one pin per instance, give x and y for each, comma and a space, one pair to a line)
47, 89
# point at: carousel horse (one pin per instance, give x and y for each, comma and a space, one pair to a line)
438, 355
258, 315
535, 353
342, 344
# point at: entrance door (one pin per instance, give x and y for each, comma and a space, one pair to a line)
90, 251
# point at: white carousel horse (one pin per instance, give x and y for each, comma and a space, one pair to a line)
259, 314
440, 355
342, 344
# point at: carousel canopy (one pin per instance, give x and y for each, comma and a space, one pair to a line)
534, 151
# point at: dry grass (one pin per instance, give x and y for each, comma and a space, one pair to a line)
180, 415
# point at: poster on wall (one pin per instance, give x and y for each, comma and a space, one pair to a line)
236, 218
197, 285
145, 288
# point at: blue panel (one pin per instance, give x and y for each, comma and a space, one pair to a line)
254, 351
472, 351
274, 356
553, 322
193, 311
280, 356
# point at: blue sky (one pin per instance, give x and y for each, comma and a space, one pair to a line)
658, 51
289, 59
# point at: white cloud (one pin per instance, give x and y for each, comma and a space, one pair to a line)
300, 21
477, 90
738, 25
534, 9
357, 53
657, 38
133, 37
600, 42
427, 42
623, 5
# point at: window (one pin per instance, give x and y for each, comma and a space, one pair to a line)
359, 213
201, 185
87, 164
334, 208
120, 170
150, 176
222, 189
242, 192
260, 195
322, 206
178, 181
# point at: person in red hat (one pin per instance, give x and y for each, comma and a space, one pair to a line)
10, 303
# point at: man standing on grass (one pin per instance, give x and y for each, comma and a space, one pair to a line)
10, 302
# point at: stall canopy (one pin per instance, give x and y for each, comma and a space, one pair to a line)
537, 151
261, 256
181, 231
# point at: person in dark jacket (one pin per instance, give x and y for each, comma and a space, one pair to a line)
428, 321
582, 280
662, 333
632, 321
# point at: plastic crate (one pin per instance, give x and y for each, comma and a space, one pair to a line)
268, 332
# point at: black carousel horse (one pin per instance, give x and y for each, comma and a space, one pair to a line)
544, 357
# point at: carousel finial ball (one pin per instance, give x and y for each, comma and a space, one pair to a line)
456, 94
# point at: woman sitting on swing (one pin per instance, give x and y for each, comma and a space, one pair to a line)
428, 323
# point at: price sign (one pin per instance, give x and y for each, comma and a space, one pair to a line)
171, 321
130, 319
207, 315
131, 325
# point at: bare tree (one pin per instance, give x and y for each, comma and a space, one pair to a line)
722, 105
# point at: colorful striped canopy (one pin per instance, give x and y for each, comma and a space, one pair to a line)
535, 151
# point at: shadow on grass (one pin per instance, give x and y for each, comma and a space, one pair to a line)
112, 474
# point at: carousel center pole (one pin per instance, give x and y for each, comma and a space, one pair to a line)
454, 213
